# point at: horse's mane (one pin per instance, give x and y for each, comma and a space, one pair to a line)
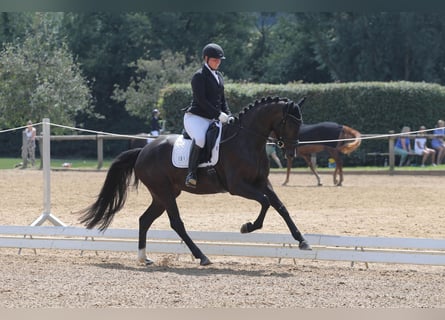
258, 103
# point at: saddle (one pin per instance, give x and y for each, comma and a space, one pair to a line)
209, 154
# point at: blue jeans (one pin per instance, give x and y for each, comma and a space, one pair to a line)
402, 153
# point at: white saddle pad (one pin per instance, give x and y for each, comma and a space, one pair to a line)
181, 152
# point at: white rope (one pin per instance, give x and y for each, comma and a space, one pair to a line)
368, 138
98, 132
301, 142
18, 128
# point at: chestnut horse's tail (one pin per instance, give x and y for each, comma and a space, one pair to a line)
350, 146
113, 194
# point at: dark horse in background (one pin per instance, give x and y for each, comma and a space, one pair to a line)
242, 170
334, 138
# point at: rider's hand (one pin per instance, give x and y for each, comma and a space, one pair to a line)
223, 117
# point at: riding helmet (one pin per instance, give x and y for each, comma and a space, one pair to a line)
212, 50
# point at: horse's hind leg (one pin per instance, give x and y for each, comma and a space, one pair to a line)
338, 172
178, 225
311, 166
153, 212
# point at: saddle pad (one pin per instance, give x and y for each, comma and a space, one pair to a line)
181, 152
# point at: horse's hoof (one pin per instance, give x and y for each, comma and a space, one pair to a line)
304, 245
145, 261
245, 228
205, 261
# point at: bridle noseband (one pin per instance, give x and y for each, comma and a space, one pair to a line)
282, 141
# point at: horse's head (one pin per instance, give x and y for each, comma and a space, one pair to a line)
288, 129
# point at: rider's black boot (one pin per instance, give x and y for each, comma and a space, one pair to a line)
191, 179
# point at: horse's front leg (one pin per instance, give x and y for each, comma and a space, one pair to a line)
258, 223
267, 198
281, 209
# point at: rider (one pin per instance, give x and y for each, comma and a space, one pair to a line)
208, 104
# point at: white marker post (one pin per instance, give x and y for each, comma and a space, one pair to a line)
46, 160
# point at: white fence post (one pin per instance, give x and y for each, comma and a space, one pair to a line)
46, 160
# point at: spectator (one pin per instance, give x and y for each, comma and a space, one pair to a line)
438, 141
402, 146
421, 149
155, 125
29, 145
271, 151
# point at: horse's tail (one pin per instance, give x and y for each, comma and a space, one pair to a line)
350, 146
113, 194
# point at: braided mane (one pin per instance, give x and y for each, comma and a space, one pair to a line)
258, 103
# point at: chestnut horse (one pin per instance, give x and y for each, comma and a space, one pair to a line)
242, 170
334, 138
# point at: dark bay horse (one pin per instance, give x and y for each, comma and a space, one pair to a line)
334, 138
242, 170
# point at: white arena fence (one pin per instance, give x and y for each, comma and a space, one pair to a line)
419, 251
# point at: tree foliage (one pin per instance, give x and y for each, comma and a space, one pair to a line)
143, 93
126, 58
39, 78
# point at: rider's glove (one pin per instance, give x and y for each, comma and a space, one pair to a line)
223, 117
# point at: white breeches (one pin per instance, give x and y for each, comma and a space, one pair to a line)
196, 127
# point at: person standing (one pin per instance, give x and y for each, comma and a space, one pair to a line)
208, 104
29, 145
155, 125
271, 150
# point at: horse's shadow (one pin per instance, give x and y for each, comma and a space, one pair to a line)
191, 271
310, 186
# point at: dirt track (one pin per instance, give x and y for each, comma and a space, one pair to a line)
393, 206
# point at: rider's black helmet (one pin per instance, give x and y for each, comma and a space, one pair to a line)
212, 50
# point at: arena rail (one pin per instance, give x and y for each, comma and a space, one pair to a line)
419, 251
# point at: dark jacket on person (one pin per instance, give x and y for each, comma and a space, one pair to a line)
154, 124
208, 96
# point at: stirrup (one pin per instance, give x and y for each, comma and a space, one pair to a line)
191, 180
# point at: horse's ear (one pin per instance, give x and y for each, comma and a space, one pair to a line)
301, 102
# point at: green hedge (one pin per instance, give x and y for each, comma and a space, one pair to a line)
370, 107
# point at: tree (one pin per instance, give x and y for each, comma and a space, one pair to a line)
142, 95
383, 46
39, 78
288, 54
13, 26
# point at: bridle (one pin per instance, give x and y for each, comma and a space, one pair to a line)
281, 141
